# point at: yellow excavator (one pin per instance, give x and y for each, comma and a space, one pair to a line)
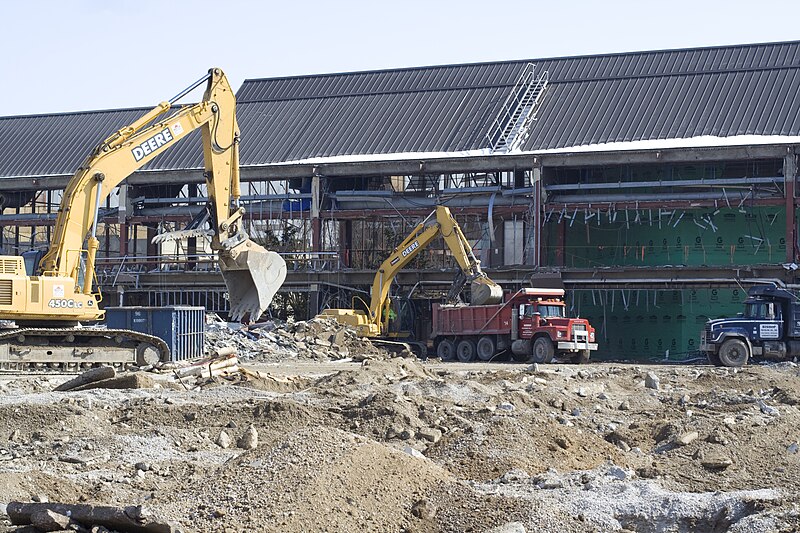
374, 322
48, 303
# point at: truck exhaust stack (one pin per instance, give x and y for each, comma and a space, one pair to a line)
252, 275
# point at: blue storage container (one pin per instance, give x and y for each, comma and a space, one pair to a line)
182, 327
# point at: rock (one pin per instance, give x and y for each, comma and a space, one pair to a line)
768, 409
562, 442
716, 462
624, 446
550, 483
533, 368
423, 510
582, 392
248, 441
617, 473
651, 381
15, 436
39, 498
506, 406
144, 467
50, 521
223, 440
687, 438
625, 406
413, 452
684, 400
602, 396
430, 434
510, 527
793, 448
406, 434
514, 476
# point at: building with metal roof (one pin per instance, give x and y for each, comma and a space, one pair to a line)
655, 183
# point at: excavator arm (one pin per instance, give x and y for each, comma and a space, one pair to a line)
252, 274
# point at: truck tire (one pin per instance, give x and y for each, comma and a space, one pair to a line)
582, 357
542, 350
446, 350
713, 359
733, 352
466, 351
486, 348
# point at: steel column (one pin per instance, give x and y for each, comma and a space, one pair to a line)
790, 181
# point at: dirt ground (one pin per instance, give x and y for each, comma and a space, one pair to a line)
400, 445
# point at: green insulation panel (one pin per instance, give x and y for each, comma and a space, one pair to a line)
653, 237
652, 324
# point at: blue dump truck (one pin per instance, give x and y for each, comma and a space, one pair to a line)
768, 329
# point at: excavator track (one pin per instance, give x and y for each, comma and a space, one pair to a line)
67, 350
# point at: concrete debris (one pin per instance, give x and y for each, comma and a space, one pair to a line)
687, 438
248, 441
94, 374
651, 381
224, 440
716, 462
320, 339
768, 409
131, 380
430, 434
48, 520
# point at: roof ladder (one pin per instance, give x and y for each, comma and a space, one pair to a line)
512, 125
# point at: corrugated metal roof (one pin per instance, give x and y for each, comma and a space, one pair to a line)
721, 91
57, 144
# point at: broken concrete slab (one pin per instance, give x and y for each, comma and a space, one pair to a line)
90, 376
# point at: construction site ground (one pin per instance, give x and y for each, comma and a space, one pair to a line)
401, 445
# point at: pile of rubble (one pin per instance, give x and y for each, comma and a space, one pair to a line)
320, 339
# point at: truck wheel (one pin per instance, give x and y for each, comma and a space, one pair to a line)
542, 350
582, 357
733, 352
486, 348
713, 359
466, 350
446, 350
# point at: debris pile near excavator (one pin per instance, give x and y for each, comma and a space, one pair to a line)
320, 339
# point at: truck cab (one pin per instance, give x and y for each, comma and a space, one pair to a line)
769, 328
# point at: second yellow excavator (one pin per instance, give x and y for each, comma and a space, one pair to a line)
375, 321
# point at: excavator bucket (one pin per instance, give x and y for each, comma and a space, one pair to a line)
485, 292
252, 275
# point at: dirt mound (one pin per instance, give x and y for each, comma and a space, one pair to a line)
313, 479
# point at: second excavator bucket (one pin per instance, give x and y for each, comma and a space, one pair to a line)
485, 292
252, 275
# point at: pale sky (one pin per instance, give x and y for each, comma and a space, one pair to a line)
61, 55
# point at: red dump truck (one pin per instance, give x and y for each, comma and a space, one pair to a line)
531, 323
